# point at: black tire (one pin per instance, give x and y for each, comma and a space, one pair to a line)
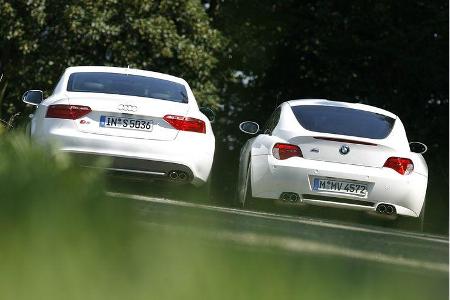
248, 199
243, 196
252, 203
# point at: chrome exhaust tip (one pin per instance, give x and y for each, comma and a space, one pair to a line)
293, 197
390, 209
289, 197
173, 175
387, 209
177, 175
381, 208
182, 175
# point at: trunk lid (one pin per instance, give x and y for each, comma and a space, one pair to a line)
347, 150
113, 115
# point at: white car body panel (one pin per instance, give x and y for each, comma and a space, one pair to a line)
270, 177
137, 151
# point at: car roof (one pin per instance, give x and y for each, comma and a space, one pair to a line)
326, 102
129, 71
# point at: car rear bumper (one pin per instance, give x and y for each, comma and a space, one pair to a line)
272, 177
188, 153
131, 166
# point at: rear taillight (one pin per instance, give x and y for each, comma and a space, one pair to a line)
403, 166
285, 151
65, 111
186, 123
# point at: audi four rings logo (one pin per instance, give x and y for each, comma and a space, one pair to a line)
344, 149
127, 107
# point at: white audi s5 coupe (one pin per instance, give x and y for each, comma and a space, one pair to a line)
334, 154
145, 123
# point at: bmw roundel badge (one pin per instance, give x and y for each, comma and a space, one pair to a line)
344, 149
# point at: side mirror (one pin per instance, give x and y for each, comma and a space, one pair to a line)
33, 97
418, 147
249, 127
209, 113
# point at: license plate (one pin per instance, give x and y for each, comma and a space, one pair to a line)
126, 123
340, 186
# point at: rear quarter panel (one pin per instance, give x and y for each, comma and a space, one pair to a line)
40, 126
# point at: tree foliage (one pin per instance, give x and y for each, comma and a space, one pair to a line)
390, 54
39, 39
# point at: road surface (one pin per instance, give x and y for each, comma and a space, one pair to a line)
385, 247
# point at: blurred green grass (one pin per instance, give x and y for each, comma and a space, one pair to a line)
61, 237
2, 128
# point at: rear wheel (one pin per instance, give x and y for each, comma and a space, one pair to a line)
244, 193
248, 199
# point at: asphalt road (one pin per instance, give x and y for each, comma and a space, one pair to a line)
382, 246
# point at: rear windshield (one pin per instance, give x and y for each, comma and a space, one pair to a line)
344, 121
129, 85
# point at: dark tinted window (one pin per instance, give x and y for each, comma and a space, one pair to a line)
129, 85
273, 121
345, 121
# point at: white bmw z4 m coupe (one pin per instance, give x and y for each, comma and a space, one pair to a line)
334, 154
145, 123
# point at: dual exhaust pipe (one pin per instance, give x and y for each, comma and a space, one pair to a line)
386, 209
177, 175
289, 197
